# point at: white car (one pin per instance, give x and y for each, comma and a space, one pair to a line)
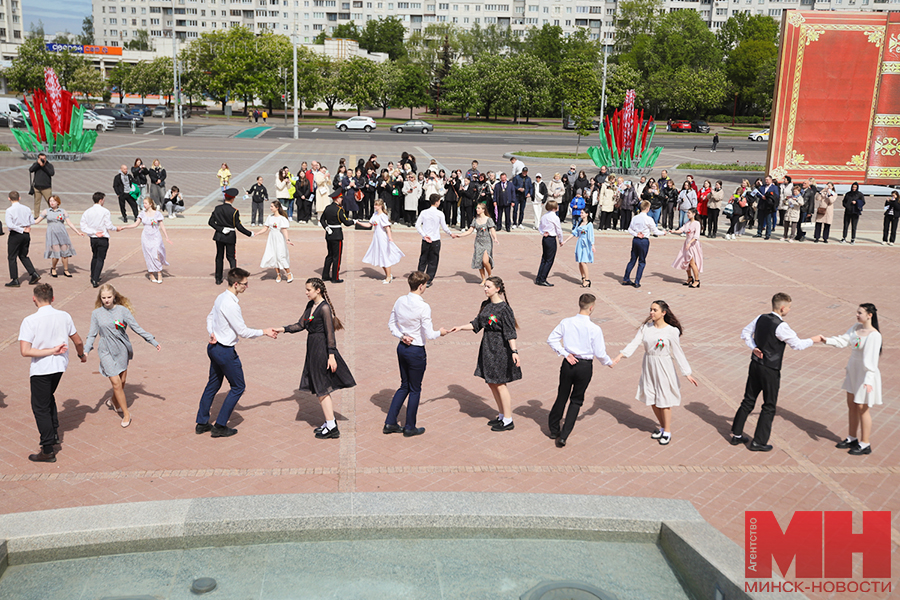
365, 123
759, 136
98, 122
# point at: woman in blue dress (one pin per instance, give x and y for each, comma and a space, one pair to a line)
584, 248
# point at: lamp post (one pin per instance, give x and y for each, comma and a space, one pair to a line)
734, 111
294, 45
603, 94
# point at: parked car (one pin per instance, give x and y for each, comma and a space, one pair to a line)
143, 108
185, 111
13, 120
363, 123
413, 125
107, 122
570, 124
759, 136
700, 127
161, 111
86, 105
681, 126
100, 105
121, 117
123, 107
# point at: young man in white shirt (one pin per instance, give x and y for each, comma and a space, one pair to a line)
579, 341
225, 325
429, 225
19, 221
410, 321
96, 223
43, 337
551, 230
641, 228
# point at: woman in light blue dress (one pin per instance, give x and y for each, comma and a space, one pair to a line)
584, 248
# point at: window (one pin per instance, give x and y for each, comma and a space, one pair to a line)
533, 8
191, 11
429, 8
134, 22
596, 10
318, 15
179, 11
113, 21
113, 32
192, 34
721, 12
490, 20
112, 10
581, 9
156, 33
531, 21
774, 12
345, 6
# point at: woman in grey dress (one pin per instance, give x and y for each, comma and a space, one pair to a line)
498, 358
485, 237
112, 317
59, 246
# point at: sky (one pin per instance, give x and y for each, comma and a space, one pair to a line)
57, 15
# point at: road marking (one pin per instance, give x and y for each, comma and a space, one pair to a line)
93, 152
154, 130
315, 130
170, 148
252, 170
429, 157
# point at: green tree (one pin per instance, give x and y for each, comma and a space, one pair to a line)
461, 89
27, 70
620, 79
356, 75
413, 87
635, 18
344, 31
63, 38
87, 31
230, 61
487, 40
493, 82
534, 80
579, 85
764, 87
309, 78
688, 91
681, 40
140, 41
87, 81
547, 44
425, 46
744, 65
332, 87
743, 27
119, 79
36, 31
384, 85
384, 35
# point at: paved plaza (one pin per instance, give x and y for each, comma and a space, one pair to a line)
610, 451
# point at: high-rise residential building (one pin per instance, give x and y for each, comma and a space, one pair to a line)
116, 21
11, 29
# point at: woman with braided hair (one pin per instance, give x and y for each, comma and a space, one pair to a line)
324, 370
498, 358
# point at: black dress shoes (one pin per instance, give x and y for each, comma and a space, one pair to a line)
413, 432
554, 435
328, 434
388, 429
34, 279
757, 447
96, 284
13, 283
560, 442
845, 443
222, 431
626, 282
734, 441
202, 428
501, 427
494, 421
337, 281
218, 282
857, 451
42, 457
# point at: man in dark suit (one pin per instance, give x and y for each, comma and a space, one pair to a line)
504, 195
226, 220
332, 220
122, 187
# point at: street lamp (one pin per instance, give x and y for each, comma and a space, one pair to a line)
603, 95
294, 45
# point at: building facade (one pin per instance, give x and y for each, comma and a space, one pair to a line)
116, 21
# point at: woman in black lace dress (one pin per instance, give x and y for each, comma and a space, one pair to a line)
324, 370
498, 359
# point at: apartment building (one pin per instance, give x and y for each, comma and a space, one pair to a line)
116, 21
12, 28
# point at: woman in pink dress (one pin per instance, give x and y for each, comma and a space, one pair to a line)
152, 239
690, 258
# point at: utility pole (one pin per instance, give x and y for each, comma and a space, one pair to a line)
294, 44
603, 95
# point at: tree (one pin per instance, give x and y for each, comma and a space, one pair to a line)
743, 27
764, 87
681, 40
356, 75
426, 46
533, 79
384, 35
86, 80
492, 82
87, 31
688, 91
635, 18
384, 85
332, 86
579, 85
36, 31
547, 44
413, 89
309, 78
141, 41
440, 73
230, 61
460, 88
620, 79
62, 38
27, 70
745, 63
119, 79
344, 31
488, 40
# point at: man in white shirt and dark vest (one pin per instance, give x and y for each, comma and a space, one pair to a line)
579, 341
766, 335
19, 221
410, 321
43, 337
429, 225
225, 325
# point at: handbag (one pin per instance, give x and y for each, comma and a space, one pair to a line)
728, 210
358, 195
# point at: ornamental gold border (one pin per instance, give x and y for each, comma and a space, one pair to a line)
886, 120
890, 68
810, 33
888, 172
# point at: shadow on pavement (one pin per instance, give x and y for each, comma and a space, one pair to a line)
717, 421
815, 430
470, 404
624, 414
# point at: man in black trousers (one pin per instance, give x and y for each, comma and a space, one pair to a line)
579, 341
333, 219
429, 225
766, 335
122, 187
226, 220
19, 221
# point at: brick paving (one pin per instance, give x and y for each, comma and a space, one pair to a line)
610, 451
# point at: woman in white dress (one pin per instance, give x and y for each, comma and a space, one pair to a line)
382, 252
659, 386
276, 255
863, 380
152, 239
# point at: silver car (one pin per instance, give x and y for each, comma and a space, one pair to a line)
414, 125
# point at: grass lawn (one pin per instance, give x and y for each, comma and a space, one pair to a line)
748, 167
565, 155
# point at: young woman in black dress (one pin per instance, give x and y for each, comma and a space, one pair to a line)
498, 359
324, 370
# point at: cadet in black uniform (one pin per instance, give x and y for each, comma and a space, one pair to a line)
333, 217
226, 219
